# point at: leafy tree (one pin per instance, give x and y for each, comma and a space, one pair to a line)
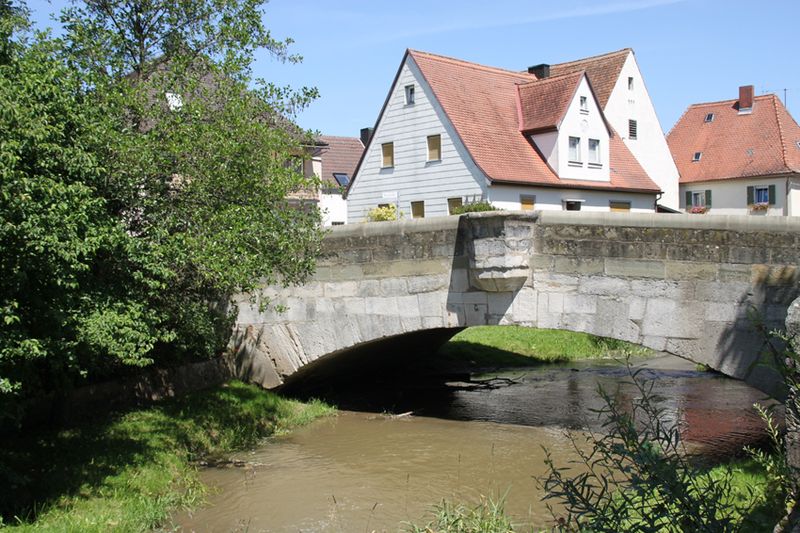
126, 217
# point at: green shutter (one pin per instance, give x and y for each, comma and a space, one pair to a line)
688, 198
771, 195
751, 195
708, 197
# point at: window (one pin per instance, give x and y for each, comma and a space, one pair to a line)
453, 203
594, 152
341, 178
584, 104
572, 205
388, 155
174, 101
698, 201
709, 117
621, 207
630, 83
527, 202
418, 209
764, 195
632, 129
697, 156
434, 147
575, 149
409, 94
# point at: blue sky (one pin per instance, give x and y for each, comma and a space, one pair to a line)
688, 50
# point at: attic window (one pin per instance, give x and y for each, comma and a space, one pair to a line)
798, 144
409, 94
632, 129
630, 83
341, 178
584, 104
709, 117
697, 156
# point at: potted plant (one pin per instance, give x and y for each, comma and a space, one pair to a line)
698, 209
760, 206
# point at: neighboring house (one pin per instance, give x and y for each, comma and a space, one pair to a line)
334, 161
452, 132
738, 157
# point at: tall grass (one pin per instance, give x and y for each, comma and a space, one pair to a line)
129, 471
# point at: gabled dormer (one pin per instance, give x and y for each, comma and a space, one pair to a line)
562, 118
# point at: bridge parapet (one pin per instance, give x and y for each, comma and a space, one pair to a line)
681, 283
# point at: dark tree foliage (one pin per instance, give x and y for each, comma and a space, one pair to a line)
143, 180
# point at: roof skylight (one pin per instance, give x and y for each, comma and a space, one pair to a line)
341, 178
697, 156
709, 117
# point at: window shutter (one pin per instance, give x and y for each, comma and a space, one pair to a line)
751, 195
688, 199
771, 195
708, 197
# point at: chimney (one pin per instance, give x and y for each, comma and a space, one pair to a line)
366, 135
745, 98
540, 71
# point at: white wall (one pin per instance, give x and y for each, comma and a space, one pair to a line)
729, 197
413, 178
650, 148
333, 208
584, 126
549, 199
794, 197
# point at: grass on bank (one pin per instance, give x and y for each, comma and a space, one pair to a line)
488, 516
128, 472
521, 346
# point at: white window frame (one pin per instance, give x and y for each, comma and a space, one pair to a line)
410, 94
702, 198
761, 188
383, 155
574, 149
584, 103
630, 83
428, 140
595, 160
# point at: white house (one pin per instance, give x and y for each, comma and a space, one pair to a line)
623, 96
452, 132
738, 157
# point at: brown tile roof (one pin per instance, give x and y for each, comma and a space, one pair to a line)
481, 103
760, 143
602, 71
341, 155
542, 104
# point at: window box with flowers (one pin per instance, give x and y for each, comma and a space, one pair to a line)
760, 206
698, 209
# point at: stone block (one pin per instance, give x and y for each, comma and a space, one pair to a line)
634, 269
604, 286
475, 297
654, 342
394, 287
369, 287
431, 304
555, 303
722, 291
500, 302
668, 318
734, 272
562, 283
411, 323
636, 307
408, 306
579, 265
579, 303
381, 306
476, 314
354, 306
459, 280
432, 322
340, 289
721, 311
678, 270
542, 262
524, 306
417, 284
772, 275
670, 289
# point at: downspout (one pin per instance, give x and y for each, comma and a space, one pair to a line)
658, 197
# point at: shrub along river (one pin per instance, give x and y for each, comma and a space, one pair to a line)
406, 439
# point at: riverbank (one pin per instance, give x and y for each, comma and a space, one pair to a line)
129, 471
498, 346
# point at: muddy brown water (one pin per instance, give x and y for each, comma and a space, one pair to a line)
372, 471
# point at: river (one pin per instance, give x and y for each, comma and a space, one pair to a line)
367, 470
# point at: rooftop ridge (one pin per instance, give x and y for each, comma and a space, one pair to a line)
594, 57
781, 135
552, 79
347, 137
730, 100
470, 64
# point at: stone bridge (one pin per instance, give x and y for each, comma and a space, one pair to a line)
681, 284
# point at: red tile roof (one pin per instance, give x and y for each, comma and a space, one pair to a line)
481, 103
602, 70
341, 155
542, 104
761, 143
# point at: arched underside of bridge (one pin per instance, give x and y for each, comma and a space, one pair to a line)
690, 286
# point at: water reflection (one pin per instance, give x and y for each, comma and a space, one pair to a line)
364, 471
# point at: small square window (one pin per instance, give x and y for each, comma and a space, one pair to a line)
575, 149
697, 156
434, 147
409, 94
527, 202
453, 203
709, 117
341, 178
418, 209
762, 195
572, 205
698, 198
632, 129
630, 83
387, 150
584, 104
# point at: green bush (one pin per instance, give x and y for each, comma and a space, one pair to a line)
384, 214
474, 207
